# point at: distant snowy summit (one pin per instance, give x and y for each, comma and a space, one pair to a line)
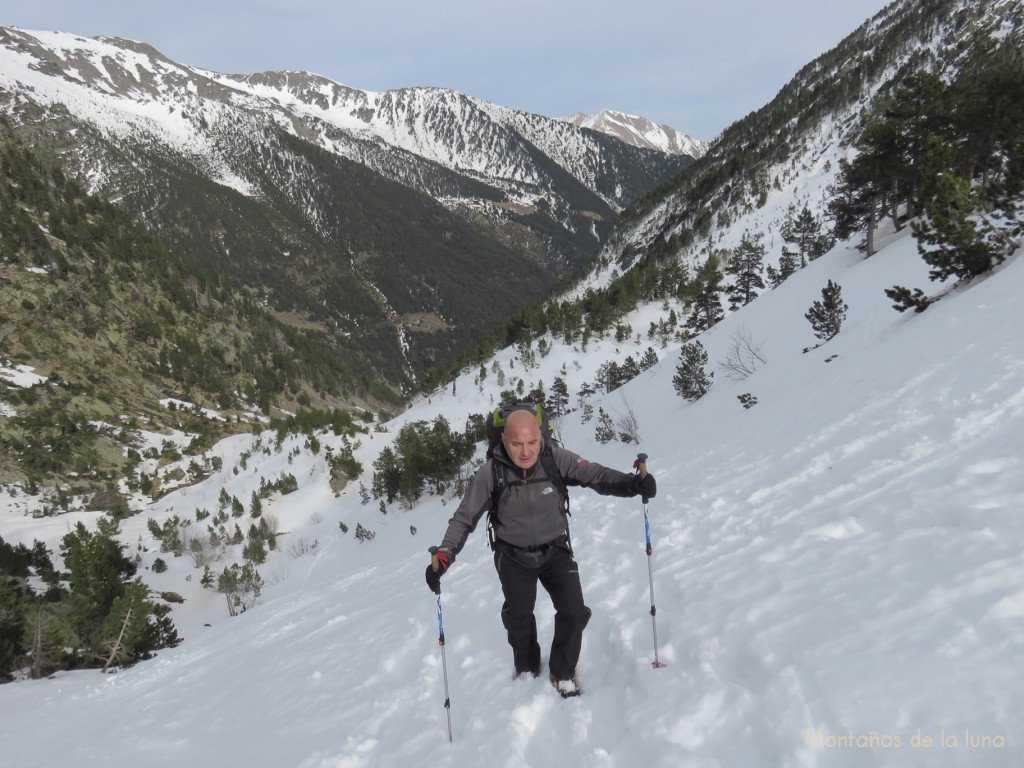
640, 132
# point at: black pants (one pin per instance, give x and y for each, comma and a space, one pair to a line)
557, 572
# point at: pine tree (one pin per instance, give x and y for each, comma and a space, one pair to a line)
706, 289
806, 233
97, 570
787, 266
605, 431
42, 639
255, 550
912, 117
609, 376
385, 475
746, 266
125, 628
951, 235
583, 393
987, 112
691, 380
101, 594
649, 359
855, 201
241, 586
826, 316
558, 399
630, 369
362, 534
904, 299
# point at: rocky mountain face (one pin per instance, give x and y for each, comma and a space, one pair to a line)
408, 223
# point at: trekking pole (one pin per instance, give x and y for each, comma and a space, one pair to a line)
440, 641
641, 466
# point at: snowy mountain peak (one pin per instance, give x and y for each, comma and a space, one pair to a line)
640, 132
435, 140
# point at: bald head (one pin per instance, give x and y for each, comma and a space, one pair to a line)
521, 438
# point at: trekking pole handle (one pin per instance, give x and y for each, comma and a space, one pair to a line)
641, 467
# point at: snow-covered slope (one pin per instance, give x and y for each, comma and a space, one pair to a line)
838, 573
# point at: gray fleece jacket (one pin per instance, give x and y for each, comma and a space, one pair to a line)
529, 514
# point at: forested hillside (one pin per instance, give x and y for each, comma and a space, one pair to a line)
115, 325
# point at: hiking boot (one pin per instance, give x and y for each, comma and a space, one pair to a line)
566, 688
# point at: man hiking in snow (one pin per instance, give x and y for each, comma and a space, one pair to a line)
530, 538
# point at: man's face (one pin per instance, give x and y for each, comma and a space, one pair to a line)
521, 439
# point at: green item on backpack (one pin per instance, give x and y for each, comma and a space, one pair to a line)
498, 418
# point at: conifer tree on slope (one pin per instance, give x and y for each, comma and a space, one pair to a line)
746, 266
826, 316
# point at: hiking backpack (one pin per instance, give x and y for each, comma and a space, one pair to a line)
494, 427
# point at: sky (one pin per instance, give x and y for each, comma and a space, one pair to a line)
696, 66
838, 570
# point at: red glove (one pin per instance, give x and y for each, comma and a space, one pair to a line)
434, 573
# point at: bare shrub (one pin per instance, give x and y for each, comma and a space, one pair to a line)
278, 574
200, 546
303, 546
627, 423
270, 525
744, 357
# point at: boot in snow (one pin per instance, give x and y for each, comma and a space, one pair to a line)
566, 688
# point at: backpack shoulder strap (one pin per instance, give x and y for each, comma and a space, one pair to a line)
551, 468
500, 484
498, 473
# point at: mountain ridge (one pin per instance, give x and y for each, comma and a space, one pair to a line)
314, 163
379, 116
641, 132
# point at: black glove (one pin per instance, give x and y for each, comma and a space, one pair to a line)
434, 577
645, 486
